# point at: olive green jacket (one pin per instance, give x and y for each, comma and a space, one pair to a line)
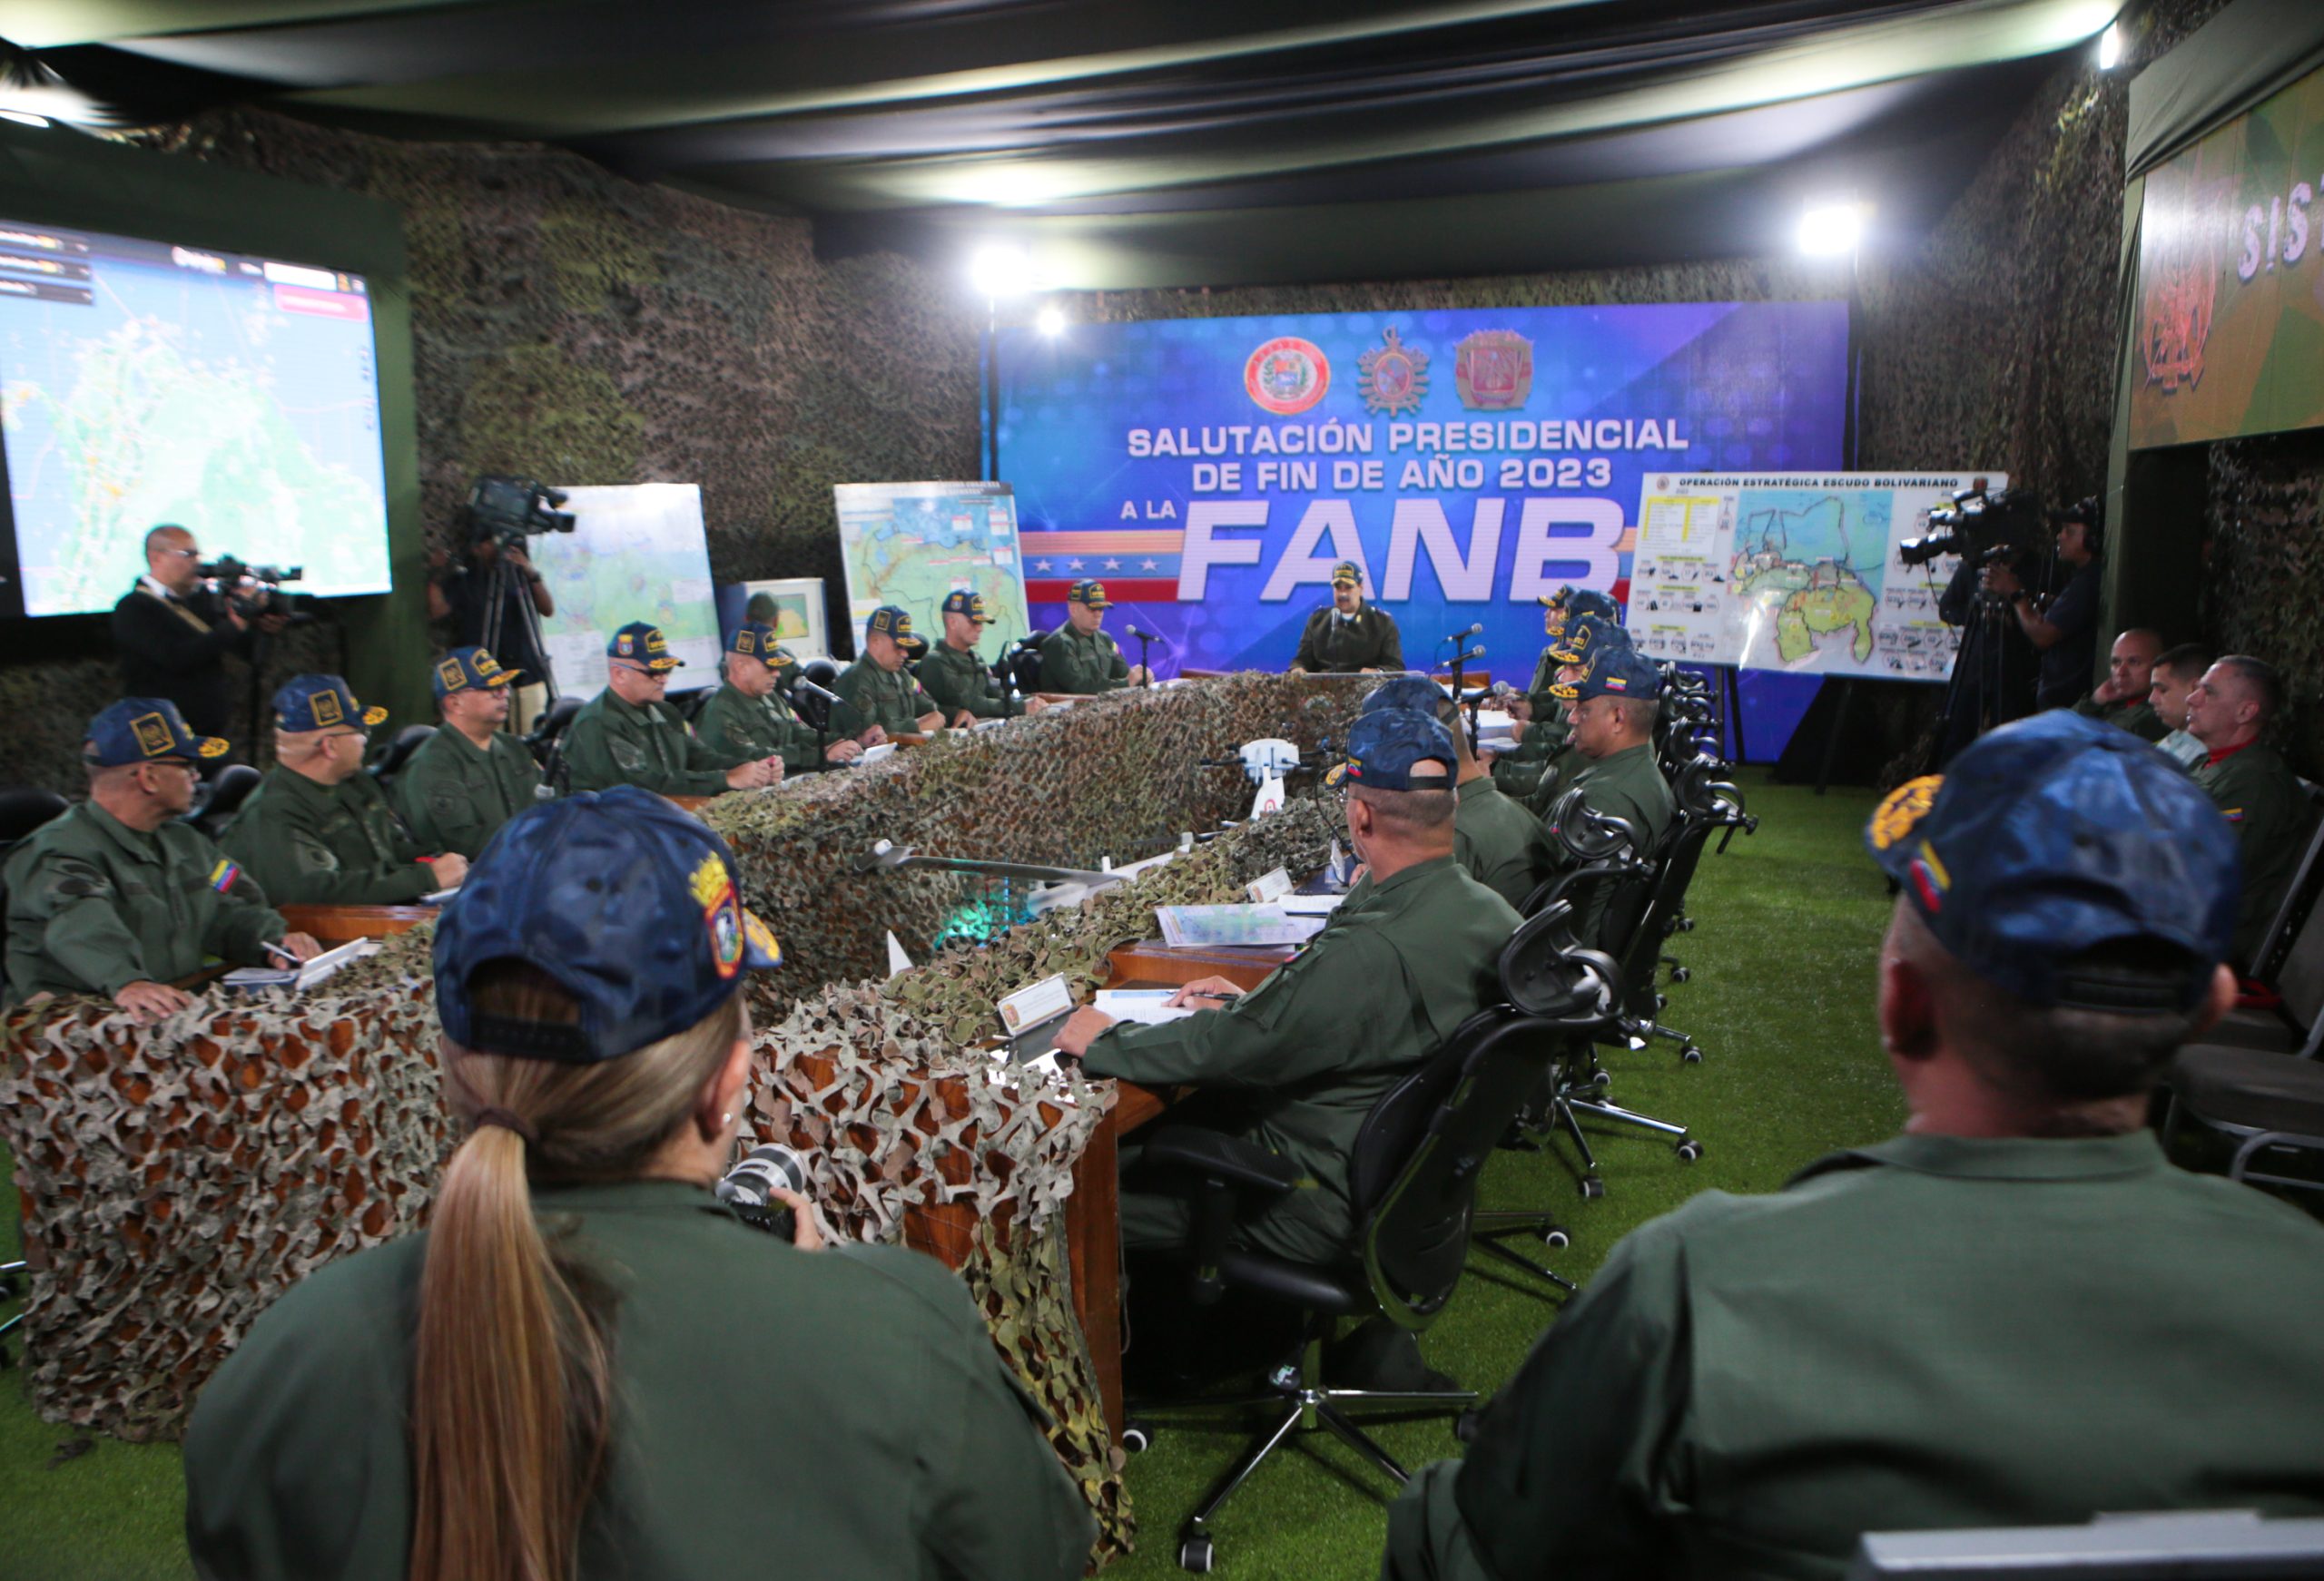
1367, 640
742, 728
454, 796
1081, 664
1298, 1062
94, 906
326, 845
613, 742
1628, 785
1934, 1332
1500, 842
958, 681
2260, 796
2137, 717
1519, 772
890, 699
819, 1416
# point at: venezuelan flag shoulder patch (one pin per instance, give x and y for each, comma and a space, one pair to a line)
223, 876
2232, 814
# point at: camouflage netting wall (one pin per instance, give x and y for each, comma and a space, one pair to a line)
2264, 582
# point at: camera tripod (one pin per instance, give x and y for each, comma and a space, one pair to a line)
1987, 678
501, 583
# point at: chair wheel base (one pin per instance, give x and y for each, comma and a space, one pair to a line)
1138, 1438
1555, 1237
1690, 1054
1679, 974
1592, 1188
1197, 1555
1688, 1151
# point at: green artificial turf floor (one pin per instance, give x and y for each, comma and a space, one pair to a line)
1781, 999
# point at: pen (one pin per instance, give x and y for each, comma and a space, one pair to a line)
279, 953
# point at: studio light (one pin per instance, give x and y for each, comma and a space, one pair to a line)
2110, 47
24, 118
1000, 271
1051, 321
1830, 229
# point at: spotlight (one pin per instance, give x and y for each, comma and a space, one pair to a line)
1051, 322
26, 118
1000, 271
1831, 228
2110, 47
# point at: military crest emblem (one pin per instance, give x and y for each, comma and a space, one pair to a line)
1287, 375
2175, 316
1392, 378
452, 675
1493, 370
155, 739
325, 705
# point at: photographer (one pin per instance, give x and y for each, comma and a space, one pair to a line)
496, 599
585, 1368
2060, 627
173, 634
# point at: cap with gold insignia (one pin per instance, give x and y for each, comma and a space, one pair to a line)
641, 643
890, 621
2052, 836
145, 729
1347, 573
1584, 635
1090, 594
312, 702
960, 601
757, 640
470, 670
1618, 669
1383, 747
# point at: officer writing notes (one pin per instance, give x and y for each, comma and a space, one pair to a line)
318, 831
118, 897
748, 721
1348, 637
584, 1369
1078, 657
173, 634
1960, 1326
626, 735
471, 776
878, 690
953, 674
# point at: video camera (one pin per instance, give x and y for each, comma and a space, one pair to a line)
748, 1189
511, 509
1982, 525
253, 590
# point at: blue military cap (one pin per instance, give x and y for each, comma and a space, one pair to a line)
1405, 691
2056, 835
642, 642
1618, 669
1590, 600
469, 670
757, 640
1383, 747
893, 620
632, 906
311, 703
1090, 592
144, 730
1347, 573
960, 601
1583, 635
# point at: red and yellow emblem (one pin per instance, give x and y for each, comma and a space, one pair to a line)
1287, 375
1493, 370
1392, 378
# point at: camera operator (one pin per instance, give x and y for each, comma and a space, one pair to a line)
585, 1368
2060, 627
495, 598
174, 635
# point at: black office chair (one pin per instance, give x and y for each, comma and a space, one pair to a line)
398, 752
232, 786
1019, 664
548, 731
1413, 1174
2252, 1115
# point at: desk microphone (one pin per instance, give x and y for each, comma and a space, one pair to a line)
1144, 636
1463, 636
800, 683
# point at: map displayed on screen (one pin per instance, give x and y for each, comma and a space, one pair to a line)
142, 382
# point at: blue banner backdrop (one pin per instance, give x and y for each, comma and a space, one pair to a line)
1211, 471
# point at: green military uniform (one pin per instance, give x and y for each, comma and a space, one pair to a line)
1297, 1063
1500, 844
326, 845
890, 699
1337, 644
612, 742
742, 728
1081, 662
94, 906
1934, 1332
1628, 785
879, 1436
2262, 798
455, 796
2136, 716
1519, 773
957, 679
1556, 776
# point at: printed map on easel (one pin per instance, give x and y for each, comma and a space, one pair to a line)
1792, 572
911, 543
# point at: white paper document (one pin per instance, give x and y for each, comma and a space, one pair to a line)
1143, 1007
307, 974
1193, 926
1312, 905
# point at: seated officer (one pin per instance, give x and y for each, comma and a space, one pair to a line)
1615, 703
2228, 710
956, 678
471, 776
318, 831
1080, 658
1573, 651
580, 1368
879, 691
1496, 842
745, 722
118, 897
1959, 1327
2172, 683
2121, 700
1296, 1063
1537, 710
1349, 636
625, 735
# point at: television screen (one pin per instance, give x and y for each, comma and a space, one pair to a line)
144, 382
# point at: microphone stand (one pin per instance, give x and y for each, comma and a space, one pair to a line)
1145, 671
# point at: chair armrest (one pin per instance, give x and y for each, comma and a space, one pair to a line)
1220, 1157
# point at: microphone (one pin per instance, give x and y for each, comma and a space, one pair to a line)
800, 683
1476, 652
1146, 636
1465, 636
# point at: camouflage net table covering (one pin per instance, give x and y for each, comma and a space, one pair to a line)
178, 1178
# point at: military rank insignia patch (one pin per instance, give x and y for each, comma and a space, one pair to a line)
155, 739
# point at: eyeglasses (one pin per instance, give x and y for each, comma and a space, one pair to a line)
182, 553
